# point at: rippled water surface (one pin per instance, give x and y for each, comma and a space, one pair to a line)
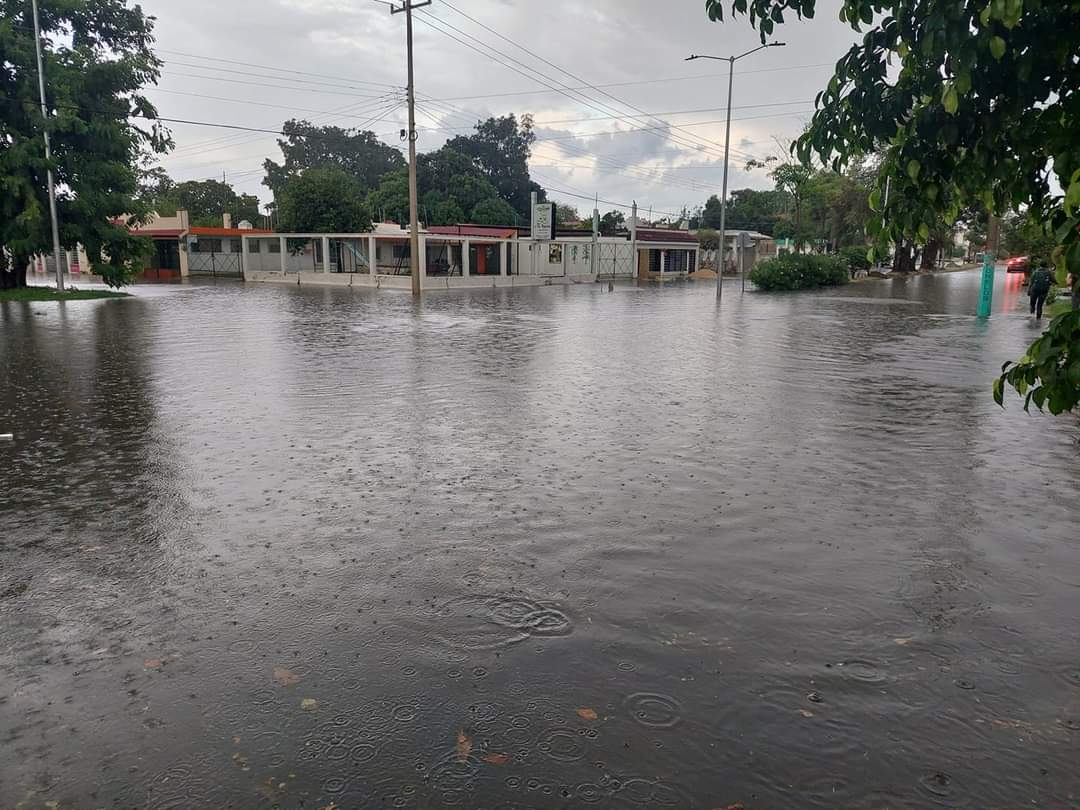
559, 547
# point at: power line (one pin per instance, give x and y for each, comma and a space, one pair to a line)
256, 103
270, 67
534, 76
695, 136
277, 78
664, 80
231, 140
218, 79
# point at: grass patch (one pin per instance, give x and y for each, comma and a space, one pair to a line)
50, 294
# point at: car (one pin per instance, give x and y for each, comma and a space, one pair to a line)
1018, 264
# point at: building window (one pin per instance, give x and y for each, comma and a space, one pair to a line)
401, 251
273, 247
254, 246
207, 245
235, 246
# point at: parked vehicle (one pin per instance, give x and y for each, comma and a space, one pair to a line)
1018, 264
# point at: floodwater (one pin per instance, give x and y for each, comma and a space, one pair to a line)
275, 547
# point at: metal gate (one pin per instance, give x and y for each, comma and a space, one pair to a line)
226, 265
613, 259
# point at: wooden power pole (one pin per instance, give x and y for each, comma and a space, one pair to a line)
407, 6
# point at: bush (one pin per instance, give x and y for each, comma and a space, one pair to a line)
799, 272
854, 258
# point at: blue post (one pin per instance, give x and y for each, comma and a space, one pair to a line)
986, 292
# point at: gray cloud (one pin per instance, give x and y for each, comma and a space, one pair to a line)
357, 48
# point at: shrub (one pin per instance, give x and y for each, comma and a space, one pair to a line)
854, 258
799, 272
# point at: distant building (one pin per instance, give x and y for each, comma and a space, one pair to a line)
181, 250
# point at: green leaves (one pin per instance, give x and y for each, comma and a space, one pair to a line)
875, 200
997, 47
1049, 374
950, 98
913, 169
1011, 13
1072, 195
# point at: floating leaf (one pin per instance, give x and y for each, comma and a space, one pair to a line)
806, 713
495, 759
463, 747
283, 677
153, 663
586, 714
309, 704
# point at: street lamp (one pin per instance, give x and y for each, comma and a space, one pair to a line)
731, 60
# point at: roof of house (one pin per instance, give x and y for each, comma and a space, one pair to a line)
227, 231
495, 231
665, 235
158, 233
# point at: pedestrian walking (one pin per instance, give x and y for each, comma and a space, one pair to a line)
1039, 289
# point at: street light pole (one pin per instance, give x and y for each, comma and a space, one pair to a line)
731, 60
48, 152
414, 226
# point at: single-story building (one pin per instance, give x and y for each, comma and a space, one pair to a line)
465, 255
765, 247
181, 249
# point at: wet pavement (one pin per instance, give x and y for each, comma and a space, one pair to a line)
542, 548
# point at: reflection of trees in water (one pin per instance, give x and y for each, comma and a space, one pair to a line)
77, 386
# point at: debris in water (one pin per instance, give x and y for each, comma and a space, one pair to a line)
806, 713
284, 677
463, 746
587, 714
153, 663
814, 697
309, 704
496, 759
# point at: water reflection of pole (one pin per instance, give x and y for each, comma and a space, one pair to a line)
48, 151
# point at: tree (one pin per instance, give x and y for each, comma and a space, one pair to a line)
437, 208
709, 239
566, 215
1023, 236
306, 146
749, 210
98, 57
500, 150
612, 222
206, 200
325, 198
794, 179
390, 201
966, 100
493, 212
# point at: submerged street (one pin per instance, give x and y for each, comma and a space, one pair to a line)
555, 547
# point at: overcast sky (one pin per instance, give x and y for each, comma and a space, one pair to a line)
632, 50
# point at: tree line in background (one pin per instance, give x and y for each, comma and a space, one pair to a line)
340, 180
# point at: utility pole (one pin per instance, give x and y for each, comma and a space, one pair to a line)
407, 6
48, 153
731, 60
